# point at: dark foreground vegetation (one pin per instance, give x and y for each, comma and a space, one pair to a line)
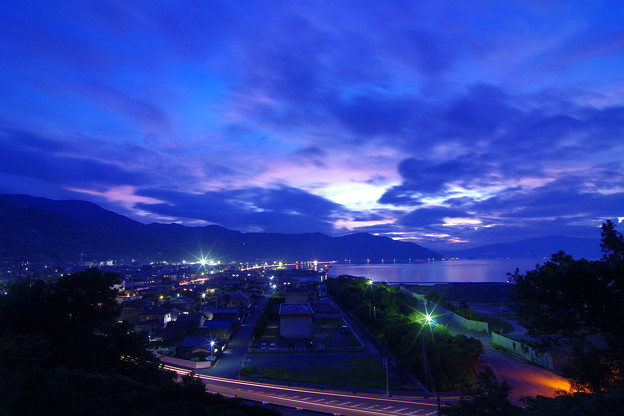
429, 352
64, 352
577, 305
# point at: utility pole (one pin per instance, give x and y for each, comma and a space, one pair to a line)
428, 377
387, 383
21, 261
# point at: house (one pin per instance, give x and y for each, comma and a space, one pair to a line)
183, 304
296, 320
147, 326
296, 294
324, 310
220, 314
156, 314
214, 298
201, 347
197, 319
175, 331
219, 328
238, 300
322, 290
231, 284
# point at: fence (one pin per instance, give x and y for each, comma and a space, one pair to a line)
525, 351
469, 324
185, 363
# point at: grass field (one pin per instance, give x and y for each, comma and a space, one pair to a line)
353, 372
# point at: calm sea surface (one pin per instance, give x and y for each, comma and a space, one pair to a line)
438, 271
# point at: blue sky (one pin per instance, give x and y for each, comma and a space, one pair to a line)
451, 124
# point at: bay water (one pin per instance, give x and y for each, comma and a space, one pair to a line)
447, 271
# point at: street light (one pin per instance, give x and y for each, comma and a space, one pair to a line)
212, 344
428, 319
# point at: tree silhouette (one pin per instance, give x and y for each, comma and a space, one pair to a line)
578, 304
64, 352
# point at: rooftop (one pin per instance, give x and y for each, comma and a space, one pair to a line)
295, 309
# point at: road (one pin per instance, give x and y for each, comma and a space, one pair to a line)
525, 378
335, 402
224, 378
233, 358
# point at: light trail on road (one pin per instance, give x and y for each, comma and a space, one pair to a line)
335, 402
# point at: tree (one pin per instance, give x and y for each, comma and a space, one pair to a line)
78, 316
389, 315
488, 397
64, 352
578, 304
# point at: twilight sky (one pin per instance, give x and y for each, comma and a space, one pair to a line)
451, 124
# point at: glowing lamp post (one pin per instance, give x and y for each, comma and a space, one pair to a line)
212, 344
428, 319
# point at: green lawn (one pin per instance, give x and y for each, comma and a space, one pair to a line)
327, 323
353, 372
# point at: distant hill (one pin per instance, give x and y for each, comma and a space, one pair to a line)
533, 248
42, 229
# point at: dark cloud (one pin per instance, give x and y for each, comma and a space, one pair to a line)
427, 217
566, 197
281, 209
25, 154
369, 115
480, 111
311, 154
141, 111
422, 176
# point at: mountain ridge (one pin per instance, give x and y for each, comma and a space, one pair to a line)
68, 230
533, 248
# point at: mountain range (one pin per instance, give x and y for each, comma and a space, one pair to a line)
42, 229
532, 248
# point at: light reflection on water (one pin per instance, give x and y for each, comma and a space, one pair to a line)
438, 271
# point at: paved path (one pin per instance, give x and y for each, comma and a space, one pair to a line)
231, 361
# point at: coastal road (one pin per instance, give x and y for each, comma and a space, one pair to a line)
334, 402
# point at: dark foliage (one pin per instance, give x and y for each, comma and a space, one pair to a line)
488, 397
394, 318
63, 352
578, 304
